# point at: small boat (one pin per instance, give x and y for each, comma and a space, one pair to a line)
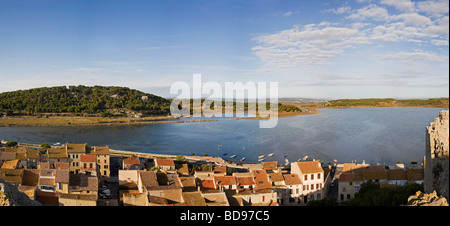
242, 159
286, 162
57, 144
305, 158
271, 154
260, 160
261, 156
233, 156
225, 154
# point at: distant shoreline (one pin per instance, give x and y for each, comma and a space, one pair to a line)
101, 121
34, 121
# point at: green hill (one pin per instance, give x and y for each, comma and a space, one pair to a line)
106, 100
388, 102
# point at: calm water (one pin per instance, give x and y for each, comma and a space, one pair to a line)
376, 135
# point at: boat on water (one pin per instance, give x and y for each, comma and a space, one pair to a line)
233, 156
261, 156
260, 160
305, 158
271, 154
286, 162
225, 154
242, 159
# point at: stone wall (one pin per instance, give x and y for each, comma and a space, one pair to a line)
10, 196
437, 156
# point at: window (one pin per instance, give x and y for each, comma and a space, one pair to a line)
90, 165
85, 165
351, 183
312, 186
348, 196
318, 176
59, 185
306, 177
312, 176
304, 187
318, 196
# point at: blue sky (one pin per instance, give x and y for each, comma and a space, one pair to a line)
314, 49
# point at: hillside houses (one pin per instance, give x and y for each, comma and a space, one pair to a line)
354, 175
82, 175
56, 176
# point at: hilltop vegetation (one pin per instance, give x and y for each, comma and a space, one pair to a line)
106, 100
388, 102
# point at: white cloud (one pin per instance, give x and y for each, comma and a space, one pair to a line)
410, 56
402, 5
434, 8
439, 42
311, 45
286, 14
413, 19
371, 11
340, 10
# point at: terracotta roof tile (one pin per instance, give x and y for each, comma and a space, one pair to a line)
310, 167
245, 181
261, 179
225, 180
131, 161
88, 158
292, 179
164, 162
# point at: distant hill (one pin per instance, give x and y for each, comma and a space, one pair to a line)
104, 100
389, 102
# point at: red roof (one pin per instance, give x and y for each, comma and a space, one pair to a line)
292, 179
206, 184
225, 180
261, 179
131, 161
88, 158
245, 180
310, 167
164, 162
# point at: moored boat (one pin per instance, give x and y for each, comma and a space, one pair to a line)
261, 156
271, 154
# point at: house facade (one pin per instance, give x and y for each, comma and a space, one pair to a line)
312, 176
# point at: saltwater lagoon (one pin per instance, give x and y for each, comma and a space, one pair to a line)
376, 135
